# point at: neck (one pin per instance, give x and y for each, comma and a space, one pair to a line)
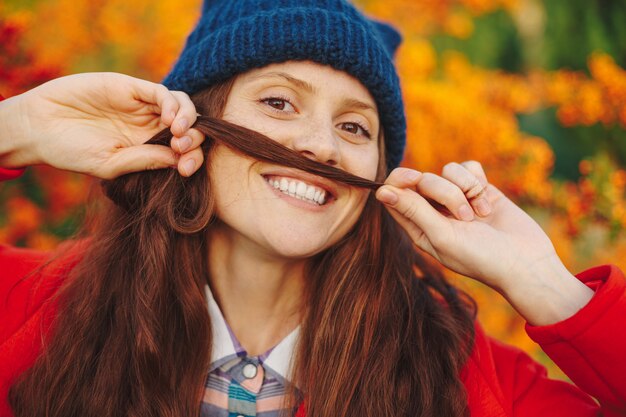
259, 294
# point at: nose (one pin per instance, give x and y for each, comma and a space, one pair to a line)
318, 142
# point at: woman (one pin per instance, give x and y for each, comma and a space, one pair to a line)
317, 302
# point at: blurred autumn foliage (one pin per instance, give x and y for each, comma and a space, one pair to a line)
535, 91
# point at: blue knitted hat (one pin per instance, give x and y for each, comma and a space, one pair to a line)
234, 36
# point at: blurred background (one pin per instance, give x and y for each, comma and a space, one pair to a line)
534, 90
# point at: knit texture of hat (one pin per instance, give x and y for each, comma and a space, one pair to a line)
234, 36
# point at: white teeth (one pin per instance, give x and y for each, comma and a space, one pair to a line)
299, 190
310, 192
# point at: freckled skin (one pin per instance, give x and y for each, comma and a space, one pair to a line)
314, 120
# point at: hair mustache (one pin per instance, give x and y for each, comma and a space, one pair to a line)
263, 148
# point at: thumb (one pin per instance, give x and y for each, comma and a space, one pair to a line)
139, 158
413, 207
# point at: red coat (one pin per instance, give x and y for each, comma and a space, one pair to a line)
590, 347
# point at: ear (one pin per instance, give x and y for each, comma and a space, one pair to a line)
389, 36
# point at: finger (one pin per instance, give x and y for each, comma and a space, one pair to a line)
191, 140
157, 94
462, 178
138, 158
476, 168
403, 177
417, 210
480, 203
416, 234
446, 193
190, 162
186, 115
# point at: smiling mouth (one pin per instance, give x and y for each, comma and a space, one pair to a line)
299, 189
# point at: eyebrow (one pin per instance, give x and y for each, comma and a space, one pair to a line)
348, 102
358, 104
295, 81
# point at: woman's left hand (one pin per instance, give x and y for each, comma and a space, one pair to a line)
472, 228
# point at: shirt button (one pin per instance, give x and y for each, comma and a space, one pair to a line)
249, 371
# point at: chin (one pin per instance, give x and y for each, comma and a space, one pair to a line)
297, 247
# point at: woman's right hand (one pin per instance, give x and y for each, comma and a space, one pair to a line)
97, 124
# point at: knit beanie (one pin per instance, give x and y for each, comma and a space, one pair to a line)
234, 36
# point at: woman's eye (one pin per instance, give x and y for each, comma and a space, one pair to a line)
278, 103
355, 129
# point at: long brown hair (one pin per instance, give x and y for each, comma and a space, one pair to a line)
383, 332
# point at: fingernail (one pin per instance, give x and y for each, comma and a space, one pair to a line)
466, 213
482, 207
386, 196
184, 144
189, 166
412, 175
184, 124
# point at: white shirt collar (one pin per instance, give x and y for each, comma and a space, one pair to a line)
279, 359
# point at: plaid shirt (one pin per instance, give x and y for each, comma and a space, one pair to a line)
242, 385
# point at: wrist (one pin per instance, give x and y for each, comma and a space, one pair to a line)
15, 141
547, 293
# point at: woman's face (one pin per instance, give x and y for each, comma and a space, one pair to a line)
324, 114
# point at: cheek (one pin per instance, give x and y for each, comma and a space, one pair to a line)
228, 173
351, 212
361, 160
